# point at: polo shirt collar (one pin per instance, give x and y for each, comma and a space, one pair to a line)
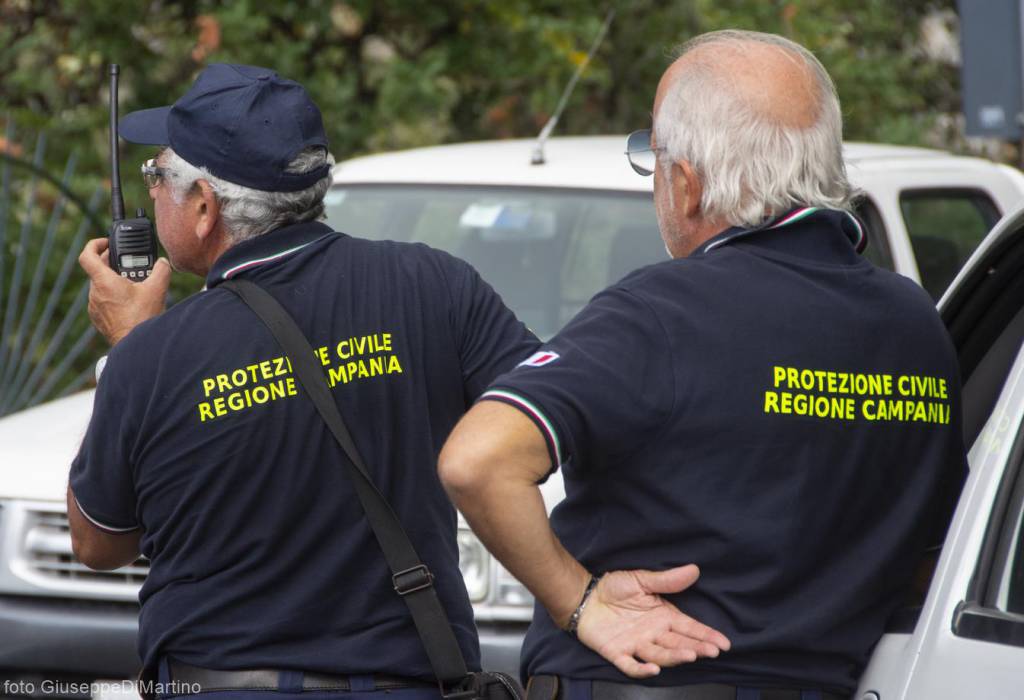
846, 221
265, 250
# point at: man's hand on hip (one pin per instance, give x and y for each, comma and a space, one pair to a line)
628, 622
116, 305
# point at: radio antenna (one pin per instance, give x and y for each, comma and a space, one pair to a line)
538, 149
116, 201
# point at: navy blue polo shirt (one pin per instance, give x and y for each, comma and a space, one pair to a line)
773, 408
261, 556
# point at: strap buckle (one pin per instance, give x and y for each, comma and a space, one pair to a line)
464, 689
411, 580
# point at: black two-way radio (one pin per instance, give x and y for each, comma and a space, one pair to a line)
132, 241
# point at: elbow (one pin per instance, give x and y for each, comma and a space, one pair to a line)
88, 555
96, 549
462, 474
483, 461
101, 562
96, 556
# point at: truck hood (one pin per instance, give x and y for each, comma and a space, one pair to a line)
37, 446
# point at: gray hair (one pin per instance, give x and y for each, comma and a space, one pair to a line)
247, 212
751, 167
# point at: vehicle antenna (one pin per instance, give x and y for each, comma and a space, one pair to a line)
538, 149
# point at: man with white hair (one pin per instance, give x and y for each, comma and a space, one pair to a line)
766, 405
204, 454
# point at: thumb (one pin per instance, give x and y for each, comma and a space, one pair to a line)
161, 275
92, 260
670, 580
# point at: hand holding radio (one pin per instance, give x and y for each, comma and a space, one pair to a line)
117, 305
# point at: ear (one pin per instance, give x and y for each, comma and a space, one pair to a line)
207, 210
687, 188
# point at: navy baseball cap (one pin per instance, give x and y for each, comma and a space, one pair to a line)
244, 124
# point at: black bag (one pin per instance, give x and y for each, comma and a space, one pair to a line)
411, 578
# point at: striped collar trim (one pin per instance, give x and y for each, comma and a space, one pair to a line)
266, 249
232, 271
857, 236
794, 216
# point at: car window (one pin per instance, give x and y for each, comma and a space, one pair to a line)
547, 252
877, 250
945, 226
1006, 582
1010, 591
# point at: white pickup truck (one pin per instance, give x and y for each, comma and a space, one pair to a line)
548, 237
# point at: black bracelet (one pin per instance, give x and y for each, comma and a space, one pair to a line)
574, 621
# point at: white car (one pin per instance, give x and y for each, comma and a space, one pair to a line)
967, 641
547, 237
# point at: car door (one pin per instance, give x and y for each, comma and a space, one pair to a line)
968, 641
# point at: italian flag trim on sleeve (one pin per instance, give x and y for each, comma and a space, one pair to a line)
531, 410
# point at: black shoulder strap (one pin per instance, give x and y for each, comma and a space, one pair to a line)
412, 580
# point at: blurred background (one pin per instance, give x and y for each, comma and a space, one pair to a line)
387, 75
403, 73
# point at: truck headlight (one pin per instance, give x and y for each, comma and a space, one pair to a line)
509, 591
475, 565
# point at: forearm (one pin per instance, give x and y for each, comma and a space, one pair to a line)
520, 536
490, 467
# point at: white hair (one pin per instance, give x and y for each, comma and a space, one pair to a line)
248, 212
751, 167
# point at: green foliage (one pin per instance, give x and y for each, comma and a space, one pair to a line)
405, 73
391, 74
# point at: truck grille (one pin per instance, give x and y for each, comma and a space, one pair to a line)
48, 551
47, 560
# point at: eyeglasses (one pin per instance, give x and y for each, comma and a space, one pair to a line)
641, 154
152, 173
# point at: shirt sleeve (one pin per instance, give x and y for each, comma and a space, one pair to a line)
490, 339
601, 389
101, 475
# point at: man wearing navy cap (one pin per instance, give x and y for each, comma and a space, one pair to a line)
766, 405
203, 455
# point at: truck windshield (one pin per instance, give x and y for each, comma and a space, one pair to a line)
545, 251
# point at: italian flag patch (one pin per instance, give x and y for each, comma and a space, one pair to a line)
539, 359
